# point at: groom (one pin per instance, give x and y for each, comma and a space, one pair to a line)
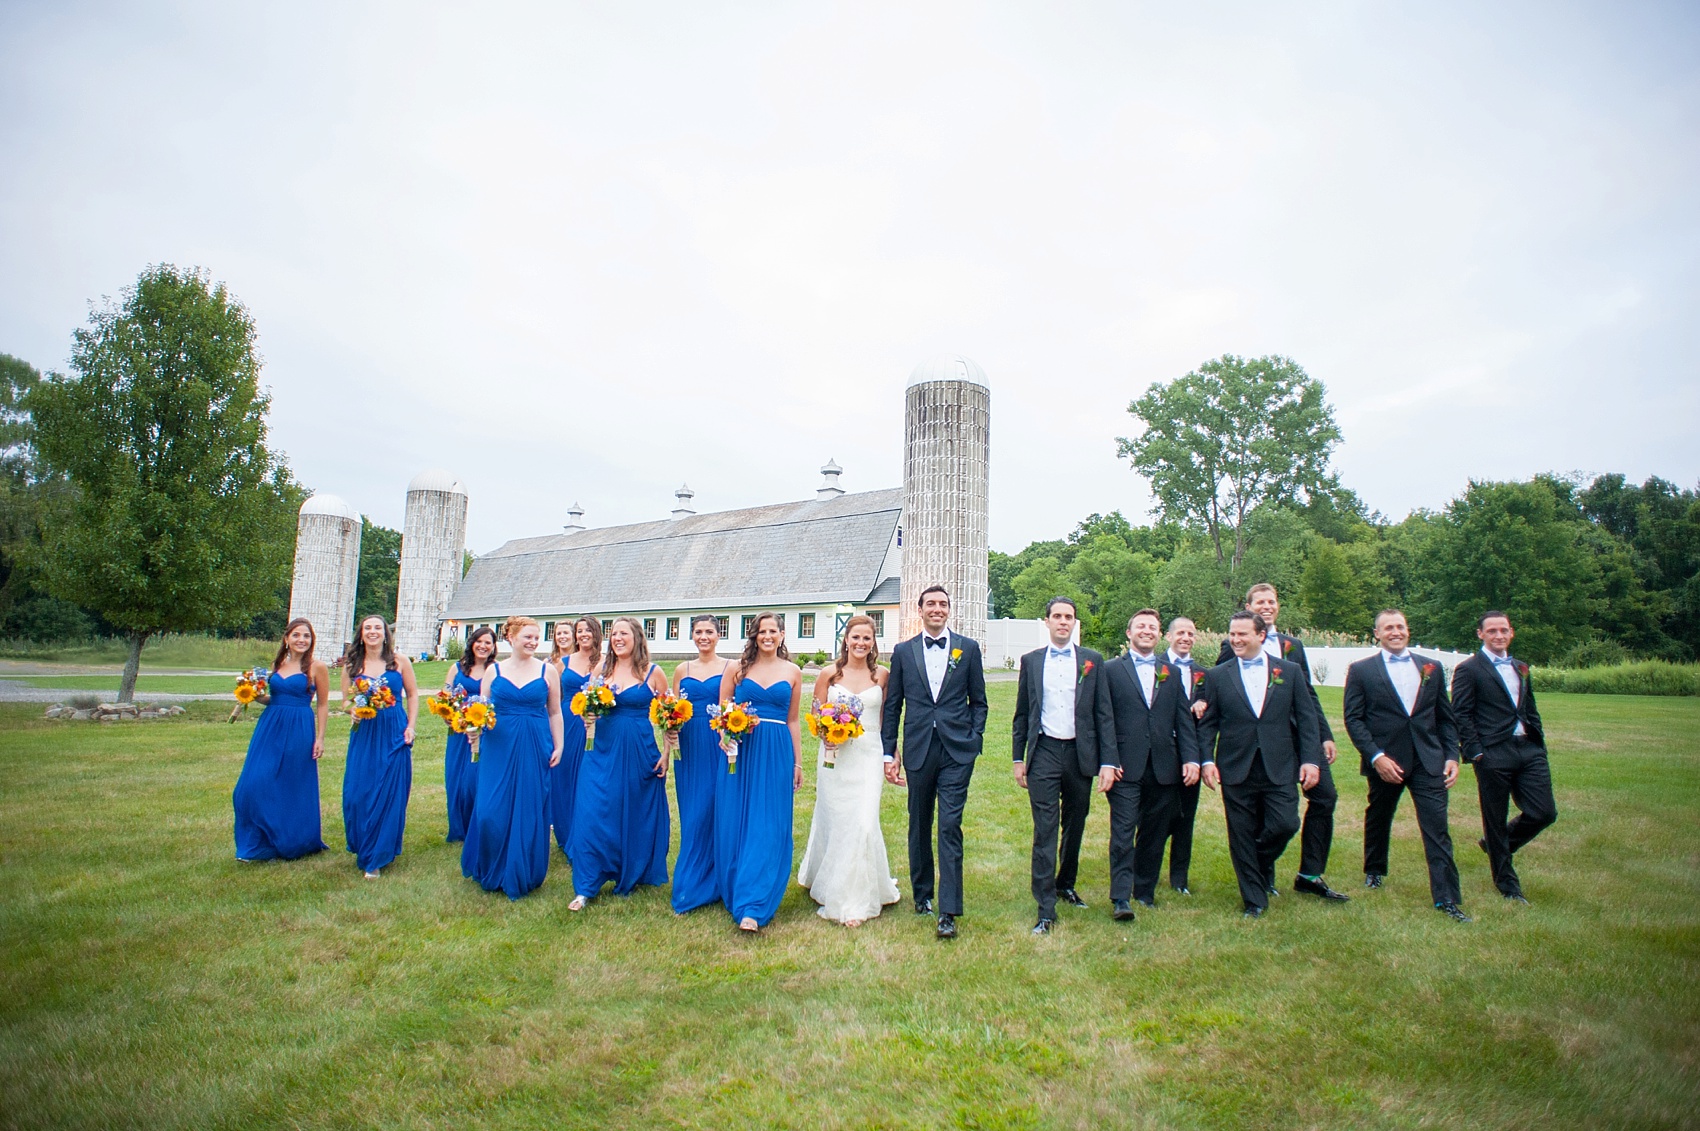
937, 675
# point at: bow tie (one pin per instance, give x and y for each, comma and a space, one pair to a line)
1392, 659
1257, 663
1061, 653
1502, 661
936, 641
1144, 659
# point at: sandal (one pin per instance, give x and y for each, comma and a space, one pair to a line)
578, 903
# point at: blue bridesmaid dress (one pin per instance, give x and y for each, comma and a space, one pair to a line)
752, 810
507, 843
376, 783
460, 772
277, 793
695, 773
563, 779
620, 825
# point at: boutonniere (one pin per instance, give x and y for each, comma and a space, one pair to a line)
1522, 668
1162, 672
955, 655
1275, 676
1086, 669
1286, 646
1197, 677
1428, 670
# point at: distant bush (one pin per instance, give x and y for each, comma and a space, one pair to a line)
1595, 654
453, 650
1648, 677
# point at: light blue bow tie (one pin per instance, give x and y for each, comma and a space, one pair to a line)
1185, 661
1257, 663
1499, 662
1145, 659
1061, 653
1392, 659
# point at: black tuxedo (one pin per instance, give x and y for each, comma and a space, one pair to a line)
1507, 766
1153, 740
1060, 771
1420, 743
1186, 800
941, 739
1317, 838
1258, 756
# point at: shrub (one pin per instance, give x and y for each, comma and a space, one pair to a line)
1649, 677
453, 650
1595, 654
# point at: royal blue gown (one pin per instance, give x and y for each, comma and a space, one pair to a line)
460, 772
752, 809
507, 843
277, 793
695, 773
376, 782
620, 824
563, 779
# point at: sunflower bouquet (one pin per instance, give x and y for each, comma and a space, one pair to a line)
370, 697
733, 722
477, 715
250, 685
593, 701
670, 712
835, 722
446, 705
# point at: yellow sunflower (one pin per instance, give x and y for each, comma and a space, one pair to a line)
476, 714
246, 692
579, 703
365, 712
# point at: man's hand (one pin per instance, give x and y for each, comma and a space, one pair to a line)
1450, 773
1189, 774
1388, 770
1108, 776
894, 772
1199, 706
1021, 774
1309, 775
1211, 775
1328, 748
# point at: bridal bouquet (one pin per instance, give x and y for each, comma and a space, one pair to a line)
836, 722
594, 701
670, 712
733, 722
249, 685
370, 697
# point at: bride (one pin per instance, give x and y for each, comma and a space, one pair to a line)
845, 866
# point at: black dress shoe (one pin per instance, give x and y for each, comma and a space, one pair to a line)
923, 907
1180, 889
947, 926
1251, 912
1042, 927
1481, 843
1151, 903
1272, 890
1515, 897
1120, 911
1071, 897
1318, 888
1453, 911
1372, 880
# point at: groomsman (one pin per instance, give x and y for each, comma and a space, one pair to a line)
937, 690
1258, 737
1064, 737
1182, 633
1400, 719
1320, 799
1500, 732
1155, 755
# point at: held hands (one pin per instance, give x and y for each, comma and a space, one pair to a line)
1328, 748
1211, 775
1450, 773
1388, 770
894, 772
1108, 776
1309, 775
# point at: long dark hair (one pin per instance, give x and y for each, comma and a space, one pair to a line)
843, 660
752, 649
595, 627
640, 650
467, 659
354, 657
283, 648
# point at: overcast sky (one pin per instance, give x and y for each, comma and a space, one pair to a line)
634, 245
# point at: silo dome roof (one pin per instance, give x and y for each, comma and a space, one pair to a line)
948, 367
436, 479
329, 504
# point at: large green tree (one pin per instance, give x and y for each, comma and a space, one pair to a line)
380, 571
175, 515
1234, 435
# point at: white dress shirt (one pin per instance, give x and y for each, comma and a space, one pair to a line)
1255, 677
1184, 663
1513, 685
1147, 673
1056, 701
1272, 644
1406, 680
937, 660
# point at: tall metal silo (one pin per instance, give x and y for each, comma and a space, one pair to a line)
946, 475
327, 566
433, 547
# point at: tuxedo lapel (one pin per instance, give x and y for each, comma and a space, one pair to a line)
1388, 687
1498, 681
1235, 678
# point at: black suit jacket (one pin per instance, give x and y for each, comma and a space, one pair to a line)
957, 718
1292, 649
1231, 734
1486, 715
1162, 734
1378, 724
1094, 729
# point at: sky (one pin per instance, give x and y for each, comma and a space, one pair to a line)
578, 252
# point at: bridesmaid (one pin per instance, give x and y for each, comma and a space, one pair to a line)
578, 649
277, 793
507, 843
752, 808
620, 827
379, 774
460, 772
700, 761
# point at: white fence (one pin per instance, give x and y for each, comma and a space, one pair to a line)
1328, 665
1008, 640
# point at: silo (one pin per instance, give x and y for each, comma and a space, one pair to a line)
327, 566
433, 547
946, 472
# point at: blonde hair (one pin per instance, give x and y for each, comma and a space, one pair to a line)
640, 649
514, 624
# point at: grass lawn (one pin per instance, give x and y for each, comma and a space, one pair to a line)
149, 980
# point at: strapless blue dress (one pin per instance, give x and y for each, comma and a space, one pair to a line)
376, 783
507, 843
563, 779
460, 772
753, 839
694, 774
277, 794
620, 824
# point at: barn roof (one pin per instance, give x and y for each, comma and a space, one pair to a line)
812, 552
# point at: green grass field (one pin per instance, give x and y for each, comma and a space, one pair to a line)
149, 980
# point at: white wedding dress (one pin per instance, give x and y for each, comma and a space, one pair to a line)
845, 866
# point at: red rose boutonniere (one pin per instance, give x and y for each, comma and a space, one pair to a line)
1197, 678
1275, 676
1162, 672
1428, 670
1286, 646
1086, 669
1522, 669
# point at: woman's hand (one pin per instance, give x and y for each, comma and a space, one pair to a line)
407, 735
797, 776
318, 748
555, 758
672, 740
660, 766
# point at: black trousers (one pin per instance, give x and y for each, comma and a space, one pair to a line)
1059, 795
1428, 793
1262, 818
1180, 832
1140, 816
941, 782
1513, 771
1318, 835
